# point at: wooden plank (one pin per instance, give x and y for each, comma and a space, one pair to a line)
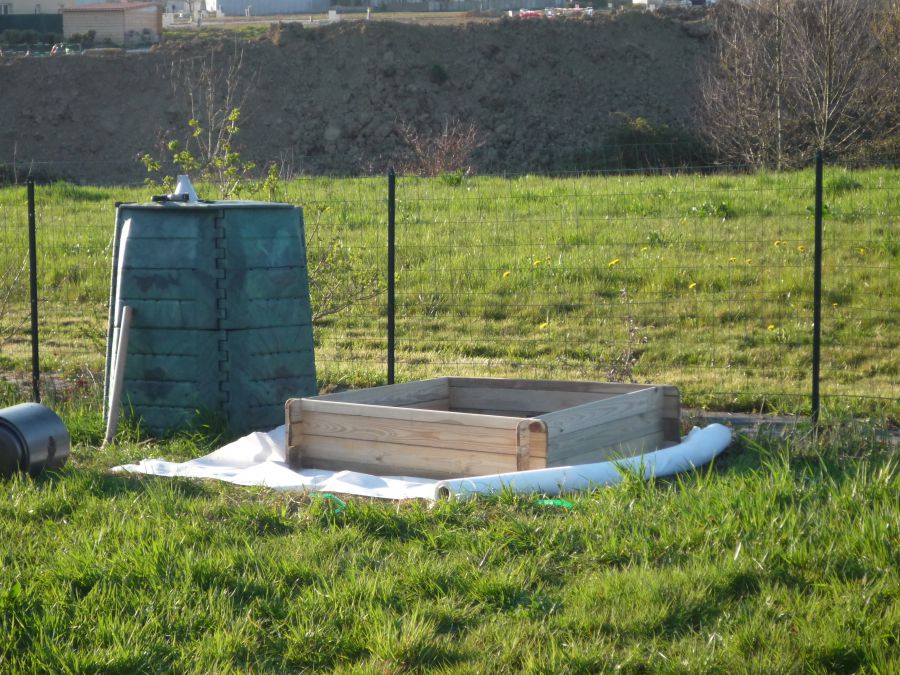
603, 412
410, 432
293, 437
537, 446
402, 459
538, 449
607, 388
438, 404
635, 446
445, 417
403, 394
518, 400
532, 439
583, 441
671, 413
293, 406
521, 414
523, 456
531, 396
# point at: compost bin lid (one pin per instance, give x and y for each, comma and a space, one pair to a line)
206, 205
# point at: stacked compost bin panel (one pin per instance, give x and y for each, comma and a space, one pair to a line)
221, 317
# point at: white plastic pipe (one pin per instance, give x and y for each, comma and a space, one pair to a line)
115, 398
699, 447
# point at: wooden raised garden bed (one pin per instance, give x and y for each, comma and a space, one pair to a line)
451, 427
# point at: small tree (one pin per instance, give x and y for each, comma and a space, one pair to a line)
338, 277
211, 156
795, 75
215, 92
449, 151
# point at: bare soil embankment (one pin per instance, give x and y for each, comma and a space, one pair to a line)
332, 99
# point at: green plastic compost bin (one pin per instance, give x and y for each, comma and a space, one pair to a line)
220, 312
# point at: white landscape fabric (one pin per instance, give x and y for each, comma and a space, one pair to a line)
258, 459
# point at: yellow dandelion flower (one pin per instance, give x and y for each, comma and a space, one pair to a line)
771, 326
506, 274
862, 251
732, 259
801, 248
693, 284
614, 262
778, 242
749, 261
644, 248
544, 325
834, 304
537, 263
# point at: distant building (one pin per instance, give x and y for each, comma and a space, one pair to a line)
177, 6
122, 23
43, 16
266, 7
16, 7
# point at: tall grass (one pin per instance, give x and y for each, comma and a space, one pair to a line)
702, 281
780, 558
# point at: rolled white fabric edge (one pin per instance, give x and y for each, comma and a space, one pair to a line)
699, 447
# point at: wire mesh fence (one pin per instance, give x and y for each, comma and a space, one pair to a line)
861, 287
702, 279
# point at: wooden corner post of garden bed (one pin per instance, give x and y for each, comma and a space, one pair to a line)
293, 432
531, 445
671, 414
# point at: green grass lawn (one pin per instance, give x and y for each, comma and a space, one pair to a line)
704, 282
782, 557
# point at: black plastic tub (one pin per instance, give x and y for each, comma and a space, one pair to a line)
32, 439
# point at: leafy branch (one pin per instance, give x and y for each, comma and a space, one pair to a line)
338, 278
213, 159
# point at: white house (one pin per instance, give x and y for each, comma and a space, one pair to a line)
266, 7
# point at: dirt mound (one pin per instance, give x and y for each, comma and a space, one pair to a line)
333, 99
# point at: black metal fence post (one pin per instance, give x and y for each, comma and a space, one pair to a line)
391, 307
32, 262
817, 293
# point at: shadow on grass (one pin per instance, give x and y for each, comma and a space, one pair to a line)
153, 658
837, 658
111, 485
692, 616
804, 450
